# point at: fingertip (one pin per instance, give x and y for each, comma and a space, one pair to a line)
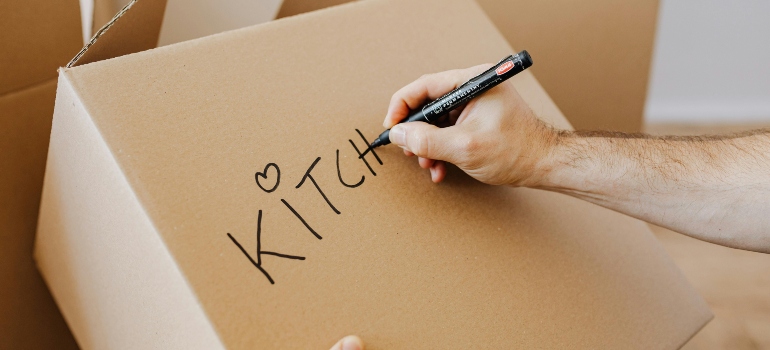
408, 153
398, 109
425, 163
438, 172
388, 122
351, 342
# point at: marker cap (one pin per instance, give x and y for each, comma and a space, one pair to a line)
526, 59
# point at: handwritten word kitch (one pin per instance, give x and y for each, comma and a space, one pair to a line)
269, 179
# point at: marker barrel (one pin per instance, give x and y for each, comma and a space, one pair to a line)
502, 71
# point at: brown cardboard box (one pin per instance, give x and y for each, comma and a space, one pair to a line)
192, 19
29, 318
37, 37
181, 181
295, 7
593, 56
125, 37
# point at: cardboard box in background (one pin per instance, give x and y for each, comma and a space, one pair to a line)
37, 37
593, 57
126, 37
191, 19
163, 221
295, 7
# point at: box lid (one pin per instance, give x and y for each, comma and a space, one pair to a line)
245, 142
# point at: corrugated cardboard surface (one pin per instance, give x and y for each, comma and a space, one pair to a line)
37, 37
593, 56
406, 264
29, 318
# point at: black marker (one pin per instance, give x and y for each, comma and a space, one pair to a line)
501, 72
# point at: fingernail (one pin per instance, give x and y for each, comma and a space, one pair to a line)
351, 344
432, 173
398, 135
385, 122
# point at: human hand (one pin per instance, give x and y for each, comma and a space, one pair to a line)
495, 138
350, 342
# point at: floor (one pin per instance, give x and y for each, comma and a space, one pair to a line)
735, 283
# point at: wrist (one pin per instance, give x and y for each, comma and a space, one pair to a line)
563, 164
545, 155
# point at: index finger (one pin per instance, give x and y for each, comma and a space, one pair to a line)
428, 87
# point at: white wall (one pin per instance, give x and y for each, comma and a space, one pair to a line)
86, 17
711, 62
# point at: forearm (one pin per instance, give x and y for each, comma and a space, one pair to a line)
715, 189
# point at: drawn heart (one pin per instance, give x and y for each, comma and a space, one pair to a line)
263, 175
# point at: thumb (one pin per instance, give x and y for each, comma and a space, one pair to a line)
425, 140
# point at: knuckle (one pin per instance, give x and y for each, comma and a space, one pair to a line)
400, 94
469, 149
396, 98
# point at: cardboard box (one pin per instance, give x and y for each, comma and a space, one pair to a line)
29, 318
594, 56
37, 37
210, 194
192, 19
127, 36
295, 7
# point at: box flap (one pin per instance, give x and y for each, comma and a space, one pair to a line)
134, 28
104, 11
38, 37
218, 139
295, 7
192, 19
